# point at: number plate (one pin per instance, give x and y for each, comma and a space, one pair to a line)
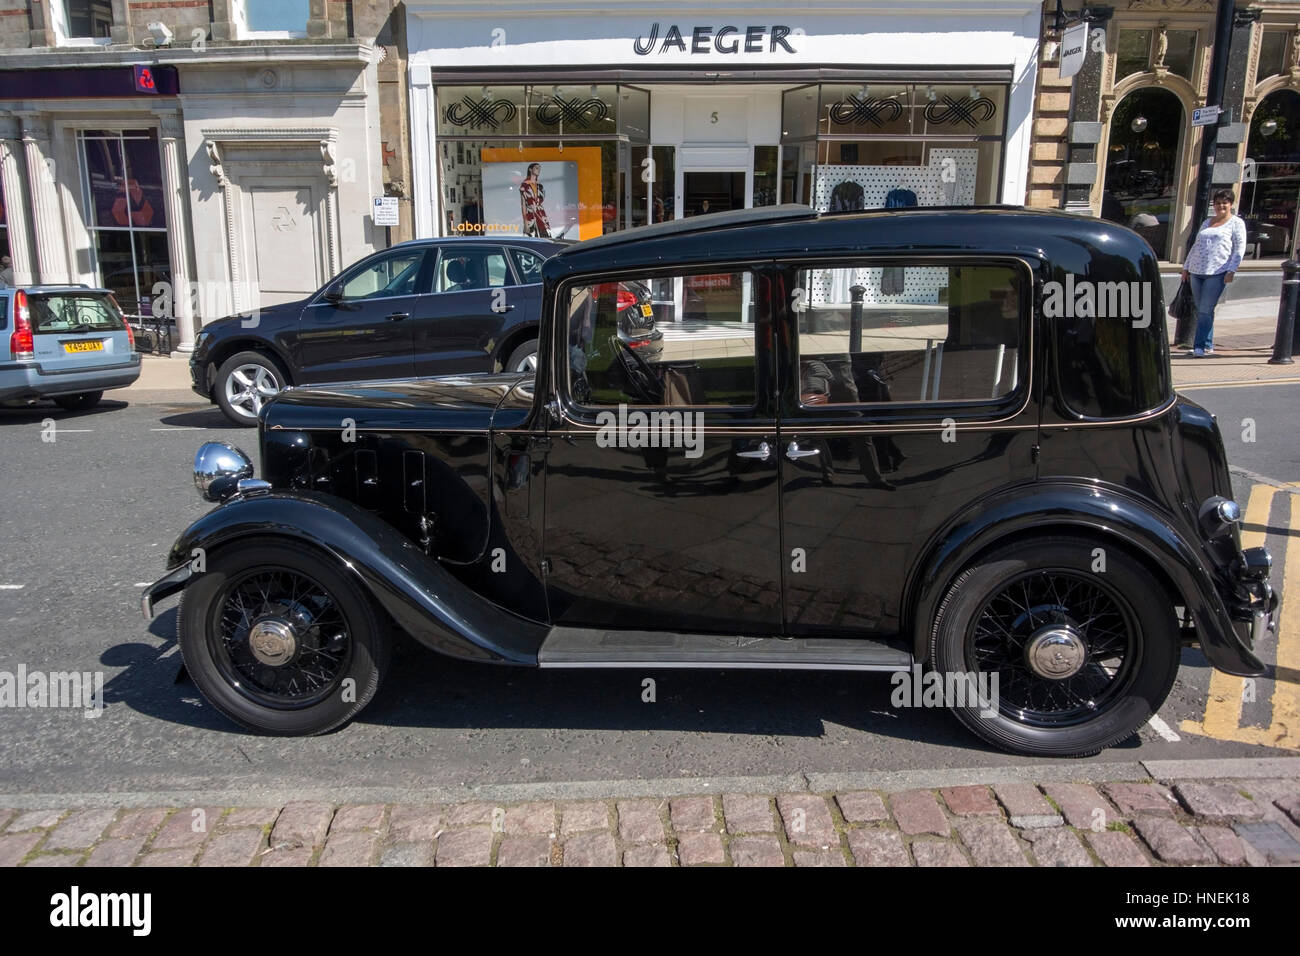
646, 311
95, 346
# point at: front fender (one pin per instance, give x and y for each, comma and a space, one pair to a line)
423, 598
1105, 512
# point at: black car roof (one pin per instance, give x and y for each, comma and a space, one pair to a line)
1069, 239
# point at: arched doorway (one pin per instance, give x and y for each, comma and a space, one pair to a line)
1270, 191
1142, 165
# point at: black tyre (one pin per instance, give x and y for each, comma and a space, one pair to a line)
1082, 657
79, 402
523, 358
245, 383
280, 640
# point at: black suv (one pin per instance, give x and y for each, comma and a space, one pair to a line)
926, 438
428, 307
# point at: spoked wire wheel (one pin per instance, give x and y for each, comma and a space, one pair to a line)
279, 638
1064, 646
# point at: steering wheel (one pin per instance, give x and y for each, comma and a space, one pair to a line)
641, 363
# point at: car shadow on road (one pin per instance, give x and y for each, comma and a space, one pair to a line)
426, 690
38, 413
205, 418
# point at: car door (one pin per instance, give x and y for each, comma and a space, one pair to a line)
904, 399
365, 332
661, 476
475, 296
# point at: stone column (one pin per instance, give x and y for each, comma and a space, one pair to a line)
175, 201
11, 175
47, 224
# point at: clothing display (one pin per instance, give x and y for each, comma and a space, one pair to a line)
531, 197
846, 197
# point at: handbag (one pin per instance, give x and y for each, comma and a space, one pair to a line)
1183, 305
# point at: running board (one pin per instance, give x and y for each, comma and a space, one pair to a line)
597, 647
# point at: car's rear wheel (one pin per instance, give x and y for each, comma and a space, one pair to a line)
245, 383
523, 358
1072, 643
280, 640
79, 402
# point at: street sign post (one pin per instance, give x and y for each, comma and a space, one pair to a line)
1206, 115
385, 211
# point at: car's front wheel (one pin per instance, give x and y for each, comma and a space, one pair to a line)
280, 640
245, 383
1070, 643
79, 402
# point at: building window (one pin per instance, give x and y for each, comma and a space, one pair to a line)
1270, 194
1272, 54
1180, 52
1142, 165
82, 21
271, 18
547, 160
1134, 53
871, 146
6, 262
126, 214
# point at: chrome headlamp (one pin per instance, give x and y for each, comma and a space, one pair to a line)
218, 469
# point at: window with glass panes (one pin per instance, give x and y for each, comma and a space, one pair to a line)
126, 215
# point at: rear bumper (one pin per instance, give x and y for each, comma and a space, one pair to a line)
24, 381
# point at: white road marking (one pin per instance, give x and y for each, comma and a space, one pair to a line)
1163, 729
12, 587
60, 430
178, 428
141, 584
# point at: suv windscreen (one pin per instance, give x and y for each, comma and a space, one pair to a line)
57, 312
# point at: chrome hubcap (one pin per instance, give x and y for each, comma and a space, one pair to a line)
273, 642
249, 387
1056, 652
529, 364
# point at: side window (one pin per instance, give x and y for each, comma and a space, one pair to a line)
528, 265
464, 269
396, 274
908, 332
696, 347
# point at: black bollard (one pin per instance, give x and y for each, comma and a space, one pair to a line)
855, 318
1285, 343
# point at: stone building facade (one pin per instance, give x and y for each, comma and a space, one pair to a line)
198, 157
1117, 139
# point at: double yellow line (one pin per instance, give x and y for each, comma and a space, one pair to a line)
1222, 718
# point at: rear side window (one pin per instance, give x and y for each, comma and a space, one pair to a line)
73, 312
4, 311
464, 270
528, 264
910, 331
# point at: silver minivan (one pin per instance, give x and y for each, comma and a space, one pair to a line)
66, 343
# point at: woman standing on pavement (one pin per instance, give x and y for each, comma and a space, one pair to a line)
1211, 264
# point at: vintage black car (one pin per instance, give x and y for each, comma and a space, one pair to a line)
876, 441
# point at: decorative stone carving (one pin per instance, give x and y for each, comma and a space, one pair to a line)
331, 170
214, 157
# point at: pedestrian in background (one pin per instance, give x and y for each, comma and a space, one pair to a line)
1212, 263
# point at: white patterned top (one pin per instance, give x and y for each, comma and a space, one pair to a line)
1217, 248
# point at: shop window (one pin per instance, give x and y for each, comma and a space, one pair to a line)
1270, 193
1272, 54
766, 175
271, 18
1134, 54
1142, 165
82, 21
1180, 52
909, 331
126, 214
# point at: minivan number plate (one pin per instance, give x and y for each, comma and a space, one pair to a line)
95, 346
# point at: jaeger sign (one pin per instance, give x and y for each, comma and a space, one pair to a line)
723, 40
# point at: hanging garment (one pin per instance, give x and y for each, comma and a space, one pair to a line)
900, 198
847, 196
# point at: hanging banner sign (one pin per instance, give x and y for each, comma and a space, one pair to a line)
1074, 47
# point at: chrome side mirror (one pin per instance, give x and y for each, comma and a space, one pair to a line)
218, 469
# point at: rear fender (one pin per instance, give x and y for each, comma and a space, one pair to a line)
1103, 513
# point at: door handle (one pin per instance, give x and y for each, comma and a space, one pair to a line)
763, 452
794, 452
397, 316
509, 307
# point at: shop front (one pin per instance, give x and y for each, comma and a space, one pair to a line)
565, 123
